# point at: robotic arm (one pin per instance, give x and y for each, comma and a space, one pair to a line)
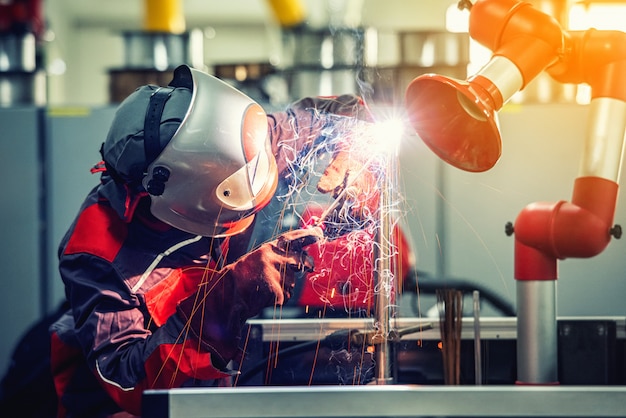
458, 121
583, 228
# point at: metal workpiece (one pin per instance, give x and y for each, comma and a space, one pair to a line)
388, 401
491, 328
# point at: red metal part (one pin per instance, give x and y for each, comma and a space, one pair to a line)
545, 232
467, 142
344, 269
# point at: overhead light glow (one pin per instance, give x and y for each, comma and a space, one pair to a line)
598, 16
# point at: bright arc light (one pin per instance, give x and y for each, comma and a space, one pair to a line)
388, 134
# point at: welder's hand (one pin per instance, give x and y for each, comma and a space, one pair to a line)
351, 178
264, 277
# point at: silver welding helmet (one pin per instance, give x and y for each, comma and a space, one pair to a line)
218, 169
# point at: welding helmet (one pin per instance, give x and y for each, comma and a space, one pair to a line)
212, 173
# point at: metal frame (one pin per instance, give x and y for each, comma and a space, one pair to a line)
503, 328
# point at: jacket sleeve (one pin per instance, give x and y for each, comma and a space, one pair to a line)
126, 351
312, 121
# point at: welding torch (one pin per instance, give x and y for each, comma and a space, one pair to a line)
327, 214
298, 245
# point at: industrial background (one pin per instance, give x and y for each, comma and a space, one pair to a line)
56, 106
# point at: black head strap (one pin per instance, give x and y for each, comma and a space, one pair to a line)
152, 123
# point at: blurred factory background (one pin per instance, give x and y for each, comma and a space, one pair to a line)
61, 79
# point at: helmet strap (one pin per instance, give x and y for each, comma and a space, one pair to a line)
152, 123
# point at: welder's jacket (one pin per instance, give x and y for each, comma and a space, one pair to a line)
124, 273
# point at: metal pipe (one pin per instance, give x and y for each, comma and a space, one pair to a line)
478, 375
536, 332
383, 276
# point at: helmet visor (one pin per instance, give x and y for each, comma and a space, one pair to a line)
220, 165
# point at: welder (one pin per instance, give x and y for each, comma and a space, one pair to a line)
156, 268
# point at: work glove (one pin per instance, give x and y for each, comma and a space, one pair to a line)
216, 313
354, 185
351, 177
